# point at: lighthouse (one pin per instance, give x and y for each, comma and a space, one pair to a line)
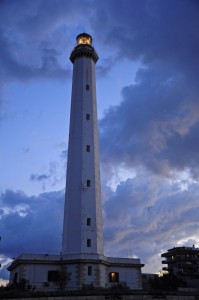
81, 261
83, 229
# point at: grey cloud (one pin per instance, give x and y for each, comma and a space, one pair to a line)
25, 226
156, 124
34, 38
154, 129
52, 176
150, 30
38, 177
144, 217
64, 154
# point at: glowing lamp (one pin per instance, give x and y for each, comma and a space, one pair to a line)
84, 39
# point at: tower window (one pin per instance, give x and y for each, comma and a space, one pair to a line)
114, 277
88, 148
90, 270
89, 243
87, 87
88, 183
87, 116
88, 222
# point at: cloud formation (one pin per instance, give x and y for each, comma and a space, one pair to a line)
25, 226
146, 215
157, 123
34, 38
149, 142
154, 131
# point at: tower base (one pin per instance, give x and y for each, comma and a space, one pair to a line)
72, 272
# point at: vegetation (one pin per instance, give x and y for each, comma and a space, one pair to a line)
63, 278
167, 282
24, 290
163, 286
17, 290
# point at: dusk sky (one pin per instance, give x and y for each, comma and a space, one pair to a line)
148, 110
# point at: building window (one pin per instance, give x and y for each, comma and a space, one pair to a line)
114, 277
88, 222
87, 116
15, 278
89, 243
88, 148
53, 275
87, 87
90, 270
88, 183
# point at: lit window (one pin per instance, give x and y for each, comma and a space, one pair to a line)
89, 243
90, 270
114, 277
87, 116
87, 87
88, 222
88, 183
88, 148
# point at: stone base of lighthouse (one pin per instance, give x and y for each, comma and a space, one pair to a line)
72, 272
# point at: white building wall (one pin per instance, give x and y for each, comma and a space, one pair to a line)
38, 275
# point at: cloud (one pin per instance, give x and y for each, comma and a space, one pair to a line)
52, 177
157, 123
34, 38
64, 154
25, 226
153, 132
146, 215
153, 127
150, 30
37, 177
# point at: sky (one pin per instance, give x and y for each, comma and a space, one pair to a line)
148, 110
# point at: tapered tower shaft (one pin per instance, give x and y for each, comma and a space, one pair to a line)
83, 229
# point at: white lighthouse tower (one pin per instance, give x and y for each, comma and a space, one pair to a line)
81, 261
83, 229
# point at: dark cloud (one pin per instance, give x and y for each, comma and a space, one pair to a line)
34, 38
146, 216
150, 30
156, 125
152, 132
25, 226
143, 217
52, 177
38, 177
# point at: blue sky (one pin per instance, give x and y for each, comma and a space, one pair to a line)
148, 109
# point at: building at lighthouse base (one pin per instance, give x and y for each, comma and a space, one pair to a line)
46, 272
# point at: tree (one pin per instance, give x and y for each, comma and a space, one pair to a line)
166, 282
63, 278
